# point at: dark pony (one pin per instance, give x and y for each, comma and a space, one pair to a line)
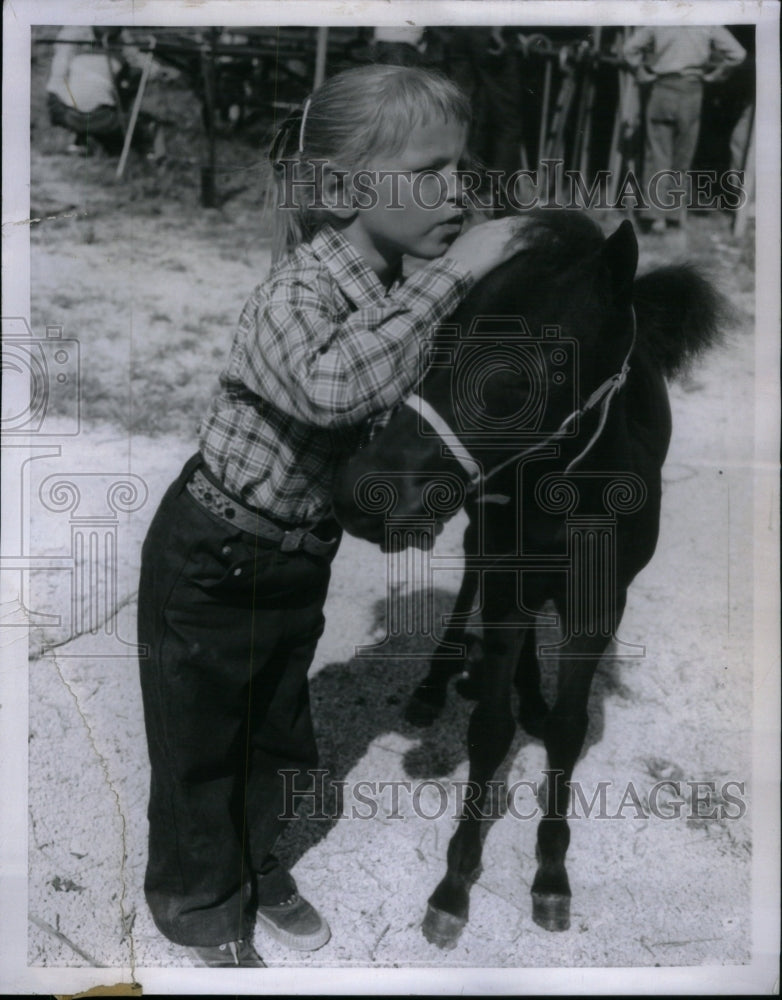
545, 414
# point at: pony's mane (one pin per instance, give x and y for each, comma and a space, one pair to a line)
550, 244
559, 238
679, 311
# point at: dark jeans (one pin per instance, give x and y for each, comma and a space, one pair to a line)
102, 125
231, 624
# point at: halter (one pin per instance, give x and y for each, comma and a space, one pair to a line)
603, 395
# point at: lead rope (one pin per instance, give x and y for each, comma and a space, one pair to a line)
605, 392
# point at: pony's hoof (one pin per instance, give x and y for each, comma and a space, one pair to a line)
420, 712
551, 911
441, 928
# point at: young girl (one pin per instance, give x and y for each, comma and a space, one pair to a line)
236, 563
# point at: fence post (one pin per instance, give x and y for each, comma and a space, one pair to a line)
741, 214
320, 57
208, 164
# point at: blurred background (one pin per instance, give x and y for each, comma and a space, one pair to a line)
217, 94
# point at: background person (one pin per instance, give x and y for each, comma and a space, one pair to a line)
399, 45
485, 63
676, 62
92, 83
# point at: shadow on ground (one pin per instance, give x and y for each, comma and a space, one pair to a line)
356, 702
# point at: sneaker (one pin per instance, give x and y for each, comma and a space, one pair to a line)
232, 955
294, 923
658, 227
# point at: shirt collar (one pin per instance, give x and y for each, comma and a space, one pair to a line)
354, 276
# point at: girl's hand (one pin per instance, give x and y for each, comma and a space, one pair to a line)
486, 246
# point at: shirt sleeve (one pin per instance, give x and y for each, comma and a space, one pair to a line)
636, 46
730, 50
300, 358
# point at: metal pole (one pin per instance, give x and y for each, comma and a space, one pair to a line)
578, 137
320, 57
614, 155
544, 110
590, 100
135, 112
208, 191
741, 215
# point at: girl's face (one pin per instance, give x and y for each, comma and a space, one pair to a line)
406, 203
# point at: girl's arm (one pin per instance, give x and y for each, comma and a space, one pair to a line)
293, 351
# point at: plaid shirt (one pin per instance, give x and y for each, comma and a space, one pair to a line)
320, 349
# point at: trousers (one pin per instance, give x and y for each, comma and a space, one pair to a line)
673, 121
229, 624
103, 124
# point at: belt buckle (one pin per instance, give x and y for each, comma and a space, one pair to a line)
293, 540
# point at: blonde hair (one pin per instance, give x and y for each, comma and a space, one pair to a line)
354, 116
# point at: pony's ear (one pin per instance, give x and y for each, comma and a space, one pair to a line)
620, 253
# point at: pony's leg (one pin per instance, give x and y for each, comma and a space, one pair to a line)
489, 737
563, 735
532, 706
564, 731
428, 699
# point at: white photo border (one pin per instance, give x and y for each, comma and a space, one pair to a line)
759, 976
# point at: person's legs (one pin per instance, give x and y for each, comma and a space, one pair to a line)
280, 736
661, 117
56, 109
103, 126
197, 884
215, 607
503, 109
687, 131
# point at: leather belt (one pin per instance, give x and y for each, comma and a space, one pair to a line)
212, 498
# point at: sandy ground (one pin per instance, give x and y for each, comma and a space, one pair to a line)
646, 892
